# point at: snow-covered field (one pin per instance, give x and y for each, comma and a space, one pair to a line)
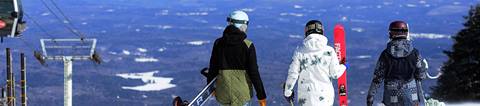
455, 104
145, 59
152, 83
463, 104
198, 43
363, 57
429, 35
295, 36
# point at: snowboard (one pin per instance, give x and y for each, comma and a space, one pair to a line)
340, 49
201, 97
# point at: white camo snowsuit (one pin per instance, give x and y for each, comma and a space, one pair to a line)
314, 65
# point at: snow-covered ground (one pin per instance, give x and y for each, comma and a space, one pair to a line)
295, 36
363, 57
429, 35
126, 52
192, 14
447, 104
248, 9
162, 49
446, 10
152, 83
291, 14
145, 59
158, 26
143, 50
358, 29
463, 104
198, 43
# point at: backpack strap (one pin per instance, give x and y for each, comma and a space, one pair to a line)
386, 64
415, 52
415, 55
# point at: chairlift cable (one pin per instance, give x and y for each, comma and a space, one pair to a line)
66, 18
58, 17
39, 26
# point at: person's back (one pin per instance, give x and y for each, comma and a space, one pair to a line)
314, 64
233, 63
399, 67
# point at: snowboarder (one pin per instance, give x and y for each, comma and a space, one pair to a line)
234, 63
400, 68
314, 65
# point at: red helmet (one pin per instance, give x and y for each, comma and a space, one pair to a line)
398, 29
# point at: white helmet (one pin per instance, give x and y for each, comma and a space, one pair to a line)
238, 18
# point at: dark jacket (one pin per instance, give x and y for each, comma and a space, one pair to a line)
234, 52
398, 67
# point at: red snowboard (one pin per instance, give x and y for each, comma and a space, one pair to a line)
340, 49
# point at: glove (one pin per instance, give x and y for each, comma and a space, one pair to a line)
263, 102
290, 98
424, 64
204, 72
369, 100
347, 66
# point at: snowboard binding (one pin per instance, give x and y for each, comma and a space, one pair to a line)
179, 102
342, 91
202, 97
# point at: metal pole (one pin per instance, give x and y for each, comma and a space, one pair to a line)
23, 78
10, 86
15, 20
67, 61
67, 86
14, 98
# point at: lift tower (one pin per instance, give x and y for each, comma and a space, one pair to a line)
68, 50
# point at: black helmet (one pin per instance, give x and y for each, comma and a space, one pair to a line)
313, 26
398, 30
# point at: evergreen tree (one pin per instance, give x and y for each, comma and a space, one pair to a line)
461, 73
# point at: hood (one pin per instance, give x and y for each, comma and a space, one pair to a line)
399, 48
232, 35
314, 42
